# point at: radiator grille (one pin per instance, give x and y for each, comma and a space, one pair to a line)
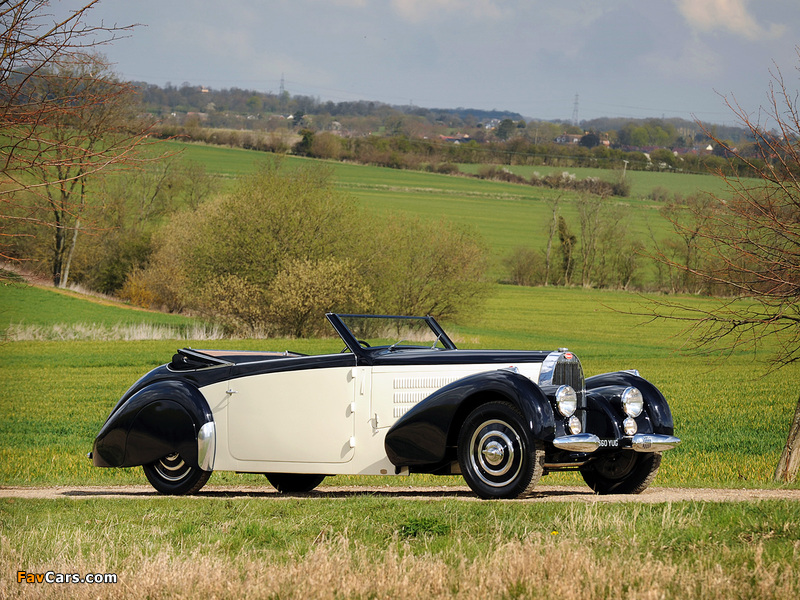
569, 372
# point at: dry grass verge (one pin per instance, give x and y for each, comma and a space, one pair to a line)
543, 567
62, 332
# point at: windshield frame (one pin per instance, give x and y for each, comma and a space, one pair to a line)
339, 323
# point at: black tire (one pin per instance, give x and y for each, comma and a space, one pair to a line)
294, 483
496, 452
173, 476
626, 472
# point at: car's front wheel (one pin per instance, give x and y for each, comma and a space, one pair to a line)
174, 476
294, 483
497, 454
622, 473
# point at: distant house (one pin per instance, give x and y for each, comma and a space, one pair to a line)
569, 138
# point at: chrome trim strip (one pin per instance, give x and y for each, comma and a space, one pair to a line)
581, 442
652, 442
206, 446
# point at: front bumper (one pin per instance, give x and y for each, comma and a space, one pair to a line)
641, 442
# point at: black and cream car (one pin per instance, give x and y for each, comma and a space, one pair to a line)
399, 398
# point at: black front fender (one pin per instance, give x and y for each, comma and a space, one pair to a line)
423, 434
158, 420
655, 404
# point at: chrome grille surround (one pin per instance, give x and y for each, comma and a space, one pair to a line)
564, 368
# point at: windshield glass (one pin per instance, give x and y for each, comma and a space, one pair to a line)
372, 331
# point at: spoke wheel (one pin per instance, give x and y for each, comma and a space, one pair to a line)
622, 472
294, 483
173, 475
497, 455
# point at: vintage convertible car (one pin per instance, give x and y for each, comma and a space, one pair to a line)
406, 401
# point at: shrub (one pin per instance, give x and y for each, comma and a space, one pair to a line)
417, 267
524, 266
301, 294
240, 306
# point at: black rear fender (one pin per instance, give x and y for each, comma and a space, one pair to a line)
158, 420
423, 435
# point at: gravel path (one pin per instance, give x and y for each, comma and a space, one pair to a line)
541, 494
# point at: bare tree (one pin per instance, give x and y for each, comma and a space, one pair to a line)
685, 253
551, 232
591, 216
752, 235
64, 118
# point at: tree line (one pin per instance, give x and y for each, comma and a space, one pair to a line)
255, 110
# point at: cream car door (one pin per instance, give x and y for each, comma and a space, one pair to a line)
302, 416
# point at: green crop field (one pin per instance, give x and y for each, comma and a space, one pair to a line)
507, 215
642, 182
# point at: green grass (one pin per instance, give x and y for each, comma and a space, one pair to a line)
290, 526
21, 304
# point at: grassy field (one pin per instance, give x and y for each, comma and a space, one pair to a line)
25, 305
56, 395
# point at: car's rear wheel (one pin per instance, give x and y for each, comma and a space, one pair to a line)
294, 483
626, 472
174, 476
497, 454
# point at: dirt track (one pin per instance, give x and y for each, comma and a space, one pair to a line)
542, 494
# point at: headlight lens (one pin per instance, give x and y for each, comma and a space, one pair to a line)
632, 402
566, 400
629, 426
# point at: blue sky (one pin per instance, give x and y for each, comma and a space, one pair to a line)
626, 58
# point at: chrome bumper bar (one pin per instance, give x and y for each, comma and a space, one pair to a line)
641, 442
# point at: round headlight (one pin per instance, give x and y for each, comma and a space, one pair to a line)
566, 400
632, 402
629, 426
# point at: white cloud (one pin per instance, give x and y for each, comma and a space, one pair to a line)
730, 15
416, 11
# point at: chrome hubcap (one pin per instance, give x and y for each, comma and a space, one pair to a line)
496, 453
493, 453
